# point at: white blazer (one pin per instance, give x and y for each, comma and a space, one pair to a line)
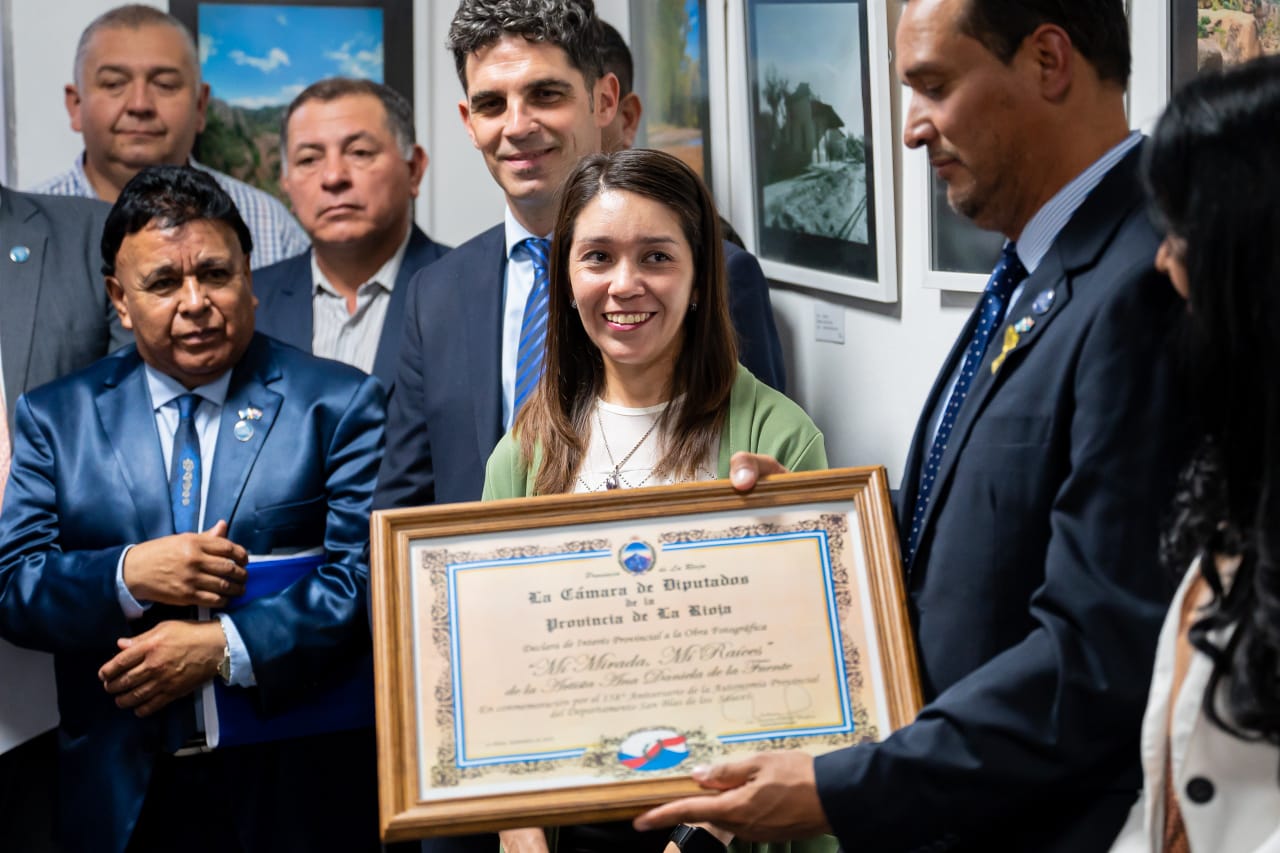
1228, 789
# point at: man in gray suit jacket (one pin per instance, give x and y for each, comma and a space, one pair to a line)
56, 319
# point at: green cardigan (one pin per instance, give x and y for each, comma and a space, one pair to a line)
761, 420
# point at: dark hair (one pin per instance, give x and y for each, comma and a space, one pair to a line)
132, 16
1212, 141
168, 196
557, 417
568, 24
615, 57
1097, 28
398, 109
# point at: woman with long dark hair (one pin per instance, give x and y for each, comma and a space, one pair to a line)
641, 385
1211, 736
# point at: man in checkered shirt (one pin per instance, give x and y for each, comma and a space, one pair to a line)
138, 101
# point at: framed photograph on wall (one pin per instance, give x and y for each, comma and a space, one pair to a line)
257, 56
669, 48
1219, 34
813, 106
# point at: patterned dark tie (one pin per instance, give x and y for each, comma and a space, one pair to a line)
184, 470
533, 325
1009, 272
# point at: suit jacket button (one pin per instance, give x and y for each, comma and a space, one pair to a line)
1199, 790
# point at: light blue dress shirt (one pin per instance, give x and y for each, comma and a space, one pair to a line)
165, 392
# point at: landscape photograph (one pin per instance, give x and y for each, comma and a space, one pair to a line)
257, 57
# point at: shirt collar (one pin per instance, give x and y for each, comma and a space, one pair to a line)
1043, 228
516, 233
81, 177
385, 277
165, 389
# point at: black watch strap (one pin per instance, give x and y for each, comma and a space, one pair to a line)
695, 839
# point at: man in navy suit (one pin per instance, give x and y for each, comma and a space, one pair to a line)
1031, 503
139, 488
352, 169
536, 102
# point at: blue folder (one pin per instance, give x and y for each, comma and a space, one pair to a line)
232, 716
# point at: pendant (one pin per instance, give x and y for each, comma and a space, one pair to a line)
611, 481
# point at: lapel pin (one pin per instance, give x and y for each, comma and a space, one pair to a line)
244, 428
1044, 301
1024, 325
19, 254
1011, 338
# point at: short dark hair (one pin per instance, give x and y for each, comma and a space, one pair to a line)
615, 58
397, 107
570, 25
168, 196
1097, 28
557, 418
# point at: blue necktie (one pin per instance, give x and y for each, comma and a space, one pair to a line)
184, 470
1009, 272
533, 325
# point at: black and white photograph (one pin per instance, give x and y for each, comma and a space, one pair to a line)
815, 197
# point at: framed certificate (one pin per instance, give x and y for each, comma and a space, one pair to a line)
569, 659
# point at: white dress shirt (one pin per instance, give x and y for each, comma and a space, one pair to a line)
346, 337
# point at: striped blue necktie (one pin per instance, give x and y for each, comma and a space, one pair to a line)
184, 470
1009, 272
533, 325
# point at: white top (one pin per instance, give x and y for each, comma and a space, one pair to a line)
617, 431
1242, 812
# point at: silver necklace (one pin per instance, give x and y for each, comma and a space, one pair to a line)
613, 480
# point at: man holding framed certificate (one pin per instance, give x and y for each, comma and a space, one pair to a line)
1029, 510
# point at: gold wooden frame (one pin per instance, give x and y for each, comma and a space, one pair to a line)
405, 816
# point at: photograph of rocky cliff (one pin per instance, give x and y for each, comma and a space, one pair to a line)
256, 58
1229, 32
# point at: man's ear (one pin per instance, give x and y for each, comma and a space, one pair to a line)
418, 161
202, 104
631, 110
1050, 49
464, 110
71, 97
606, 99
115, 292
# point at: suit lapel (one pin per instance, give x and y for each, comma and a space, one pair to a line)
294, 322
21, 289
484, 339
234, 458
128, 422
416, 255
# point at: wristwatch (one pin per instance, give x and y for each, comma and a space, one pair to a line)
695, 839
224, 665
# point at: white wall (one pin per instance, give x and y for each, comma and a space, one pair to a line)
864, 394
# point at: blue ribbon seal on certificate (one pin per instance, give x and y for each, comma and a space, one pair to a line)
637, 557
653, 749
